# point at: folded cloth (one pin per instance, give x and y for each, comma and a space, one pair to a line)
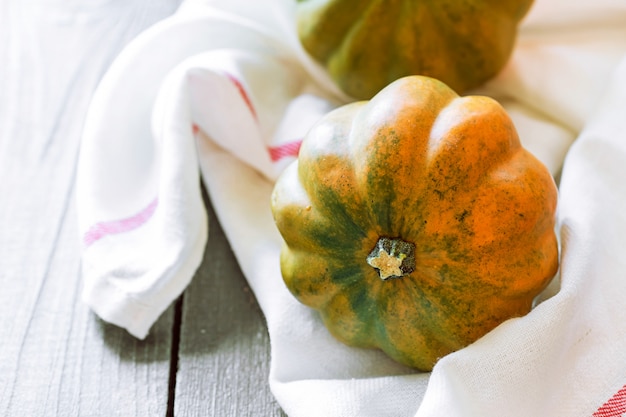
223, 92
142, 219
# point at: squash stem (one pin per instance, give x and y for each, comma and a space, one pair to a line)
392, 258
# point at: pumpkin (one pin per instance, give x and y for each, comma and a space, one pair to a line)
416, 222
367, 44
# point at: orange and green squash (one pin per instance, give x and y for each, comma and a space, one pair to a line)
367, 44
416, 222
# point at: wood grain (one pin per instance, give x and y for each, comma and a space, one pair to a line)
207, 355
223, 361
56, 357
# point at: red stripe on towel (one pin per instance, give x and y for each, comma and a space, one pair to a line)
243, 93
285, 150
102, 229
615, 406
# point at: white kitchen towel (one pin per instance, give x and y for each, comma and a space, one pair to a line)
223, 91
141, 214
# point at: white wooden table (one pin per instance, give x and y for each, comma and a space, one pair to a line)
208, 355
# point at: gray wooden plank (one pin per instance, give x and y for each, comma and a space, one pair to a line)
56, 357
224, 351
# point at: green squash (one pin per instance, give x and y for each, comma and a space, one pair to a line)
367, 44
416, 222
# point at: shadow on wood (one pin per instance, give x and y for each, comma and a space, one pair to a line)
156, 347
224, 354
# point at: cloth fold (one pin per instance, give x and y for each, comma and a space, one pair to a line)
140, 207
222, 92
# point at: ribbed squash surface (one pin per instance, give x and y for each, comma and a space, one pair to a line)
416, 222
367, 44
